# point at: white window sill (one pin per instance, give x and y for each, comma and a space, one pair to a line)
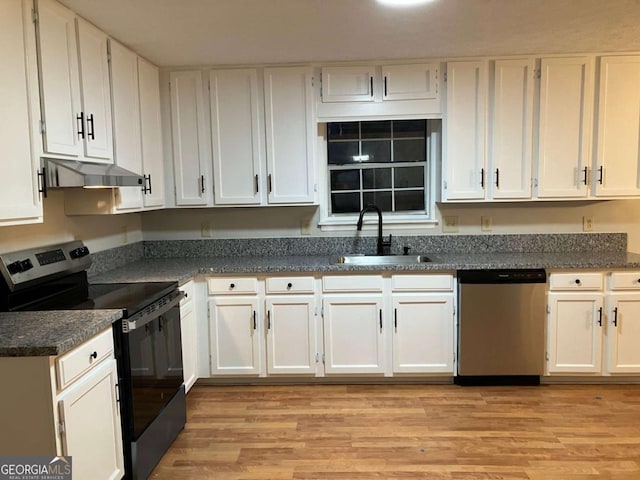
397, 222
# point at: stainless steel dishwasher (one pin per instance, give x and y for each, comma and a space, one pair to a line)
501, 327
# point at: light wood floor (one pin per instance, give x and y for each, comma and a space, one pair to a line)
436, 432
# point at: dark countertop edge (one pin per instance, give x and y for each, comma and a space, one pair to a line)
85, 331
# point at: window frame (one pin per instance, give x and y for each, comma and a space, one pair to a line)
404, 220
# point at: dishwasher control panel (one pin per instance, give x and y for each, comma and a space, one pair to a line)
529, 275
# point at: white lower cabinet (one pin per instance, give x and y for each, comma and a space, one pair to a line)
69, 407
291, 334
189, 336
353, 333
594, 331
423, 326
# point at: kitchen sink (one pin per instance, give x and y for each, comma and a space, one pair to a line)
361, 259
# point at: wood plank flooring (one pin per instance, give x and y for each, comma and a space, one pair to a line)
352, 432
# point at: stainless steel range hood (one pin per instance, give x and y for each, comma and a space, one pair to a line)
69, 173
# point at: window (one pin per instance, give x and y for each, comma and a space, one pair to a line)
381, 162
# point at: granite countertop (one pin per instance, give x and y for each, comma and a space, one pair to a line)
30, 334
184, 269
53, 333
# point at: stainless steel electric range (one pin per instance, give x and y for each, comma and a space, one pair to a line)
147, 339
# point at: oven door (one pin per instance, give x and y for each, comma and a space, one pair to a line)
151, 366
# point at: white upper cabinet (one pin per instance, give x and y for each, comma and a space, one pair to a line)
237, 136
409, 82
74, 83
20, 201
510, 123
564, 130
372, 91
348, 84
126, 120
191, 154
616, 170
290, 135
151, 130
464, 149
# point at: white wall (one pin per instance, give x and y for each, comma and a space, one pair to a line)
268, 222
98, 232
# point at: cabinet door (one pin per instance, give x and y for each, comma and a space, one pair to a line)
623, 333
96, 92
464, 144
564, 127
126, 120
59, 79
511, 129
151, 130
234, 336
423, 333
410, 82
291, 335
618, 138
92, 431
348, 84
189, 342
236, 136
575, 333
290, 128
19, 198
353, 334
190, 145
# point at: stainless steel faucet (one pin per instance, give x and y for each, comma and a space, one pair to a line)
383, 248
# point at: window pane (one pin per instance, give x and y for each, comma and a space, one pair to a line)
343, 131
409, 128
408, 177
409, 200
345, 180
380, 129
345, 202
381, 199
409, 150
341, 153
379, 151
376, 178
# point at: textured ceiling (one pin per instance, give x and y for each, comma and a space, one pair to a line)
223, 32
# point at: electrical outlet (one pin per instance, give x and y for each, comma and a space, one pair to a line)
450, 224
205, 229
486, 223
124, 234
587, 223
305, 226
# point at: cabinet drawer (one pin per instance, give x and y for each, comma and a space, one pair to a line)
290, 285
419, 283
352, 283
575, 281
188, 289
232, 285
81, 359
624, 281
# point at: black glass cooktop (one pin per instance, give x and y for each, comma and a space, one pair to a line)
131, 297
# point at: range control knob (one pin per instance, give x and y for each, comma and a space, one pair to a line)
26, 265
79, 252
15, 267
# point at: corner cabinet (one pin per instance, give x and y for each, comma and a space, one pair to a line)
20, 200
74, 86
70, 408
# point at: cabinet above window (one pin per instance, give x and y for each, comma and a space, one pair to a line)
375, 90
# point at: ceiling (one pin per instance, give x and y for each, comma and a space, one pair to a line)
227, 32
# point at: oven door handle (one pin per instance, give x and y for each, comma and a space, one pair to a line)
153, 311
